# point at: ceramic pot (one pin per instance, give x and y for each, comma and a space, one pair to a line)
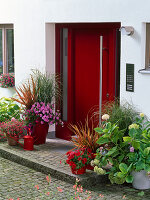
40, 132
78, 171
141, 180
12, 141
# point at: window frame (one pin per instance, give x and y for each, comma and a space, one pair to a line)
4, 28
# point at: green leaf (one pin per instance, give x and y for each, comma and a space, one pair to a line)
132, 132
135, 144
102, 140
120, 175
123, 168
120, 158
108, 125
111, 151
129, 179
147, 167
98, 130
141, 194
146, 151
127, 139
140, 166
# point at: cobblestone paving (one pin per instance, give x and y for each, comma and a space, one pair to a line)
17, 181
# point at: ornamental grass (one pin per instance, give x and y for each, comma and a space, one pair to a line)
27, 93
85, 135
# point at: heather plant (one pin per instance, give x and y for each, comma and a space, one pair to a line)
43, 113
7, 80
13, 128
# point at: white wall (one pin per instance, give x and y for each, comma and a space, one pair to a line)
31, 33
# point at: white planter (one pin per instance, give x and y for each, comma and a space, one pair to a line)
7, 92
141, 180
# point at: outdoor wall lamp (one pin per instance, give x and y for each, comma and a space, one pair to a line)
127, 30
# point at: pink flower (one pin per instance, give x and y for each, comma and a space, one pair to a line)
131, 149
48, 179
13, 119
59, 189
37, 187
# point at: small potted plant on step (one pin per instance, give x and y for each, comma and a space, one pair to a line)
13, 130
78, 160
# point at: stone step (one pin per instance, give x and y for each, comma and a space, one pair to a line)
46, 159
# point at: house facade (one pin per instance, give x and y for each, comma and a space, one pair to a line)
107, 42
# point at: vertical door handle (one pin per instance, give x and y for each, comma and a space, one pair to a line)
100, 92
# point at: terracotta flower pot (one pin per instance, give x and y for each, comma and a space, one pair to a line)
12, 141
40, 132
78, 171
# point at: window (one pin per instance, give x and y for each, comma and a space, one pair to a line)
6, 49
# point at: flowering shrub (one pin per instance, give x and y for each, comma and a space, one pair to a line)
7, 80
13, 128
124, 153
40, 112
79, 158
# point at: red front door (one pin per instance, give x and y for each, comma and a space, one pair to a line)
83, 72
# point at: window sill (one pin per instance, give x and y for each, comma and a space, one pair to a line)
144, 71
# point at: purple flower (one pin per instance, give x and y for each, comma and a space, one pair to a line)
131, 149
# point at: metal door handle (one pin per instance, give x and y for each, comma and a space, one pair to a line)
100, 93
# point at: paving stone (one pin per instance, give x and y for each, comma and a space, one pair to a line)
19, 181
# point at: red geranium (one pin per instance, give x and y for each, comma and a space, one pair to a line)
78, 158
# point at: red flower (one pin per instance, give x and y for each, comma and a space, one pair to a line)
89, 150
73, 166
84, 160
79, 158
77, 153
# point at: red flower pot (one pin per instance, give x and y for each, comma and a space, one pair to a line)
89, 167
40, 132
78, 171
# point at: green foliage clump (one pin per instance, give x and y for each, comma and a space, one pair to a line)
8, 109
123, 114
125, 154
47, 87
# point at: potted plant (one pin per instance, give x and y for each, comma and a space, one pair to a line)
85, 137
13, 130
77, 160
38, 95
38, 118
125, 154
7, 80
